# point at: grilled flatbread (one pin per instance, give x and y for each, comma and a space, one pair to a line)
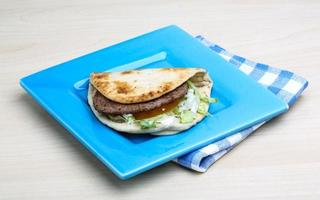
141, 85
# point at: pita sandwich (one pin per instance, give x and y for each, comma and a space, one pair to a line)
160, 101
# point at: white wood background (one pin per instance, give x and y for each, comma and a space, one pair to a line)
40, 160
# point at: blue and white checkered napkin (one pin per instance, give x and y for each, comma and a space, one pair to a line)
284, 84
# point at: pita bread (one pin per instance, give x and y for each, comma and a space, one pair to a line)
141, 85
168, 125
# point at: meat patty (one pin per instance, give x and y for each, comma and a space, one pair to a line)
105, 105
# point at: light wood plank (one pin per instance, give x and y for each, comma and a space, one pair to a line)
40, 160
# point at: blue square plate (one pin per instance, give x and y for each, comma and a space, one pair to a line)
62, 89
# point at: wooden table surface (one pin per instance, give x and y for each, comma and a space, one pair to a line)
40, 160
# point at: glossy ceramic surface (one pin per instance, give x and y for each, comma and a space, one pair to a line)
62, 91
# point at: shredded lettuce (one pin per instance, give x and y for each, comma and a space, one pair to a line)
200, 95
116, 118
176, 111
144, 124
195, 102
129, 118
190, 103
187, 109
196, 90
187, 116
147, 123
204, 100
203, 108
208, 99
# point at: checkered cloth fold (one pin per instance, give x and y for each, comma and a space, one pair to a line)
286, 85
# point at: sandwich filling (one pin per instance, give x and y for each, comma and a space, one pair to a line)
181, 105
